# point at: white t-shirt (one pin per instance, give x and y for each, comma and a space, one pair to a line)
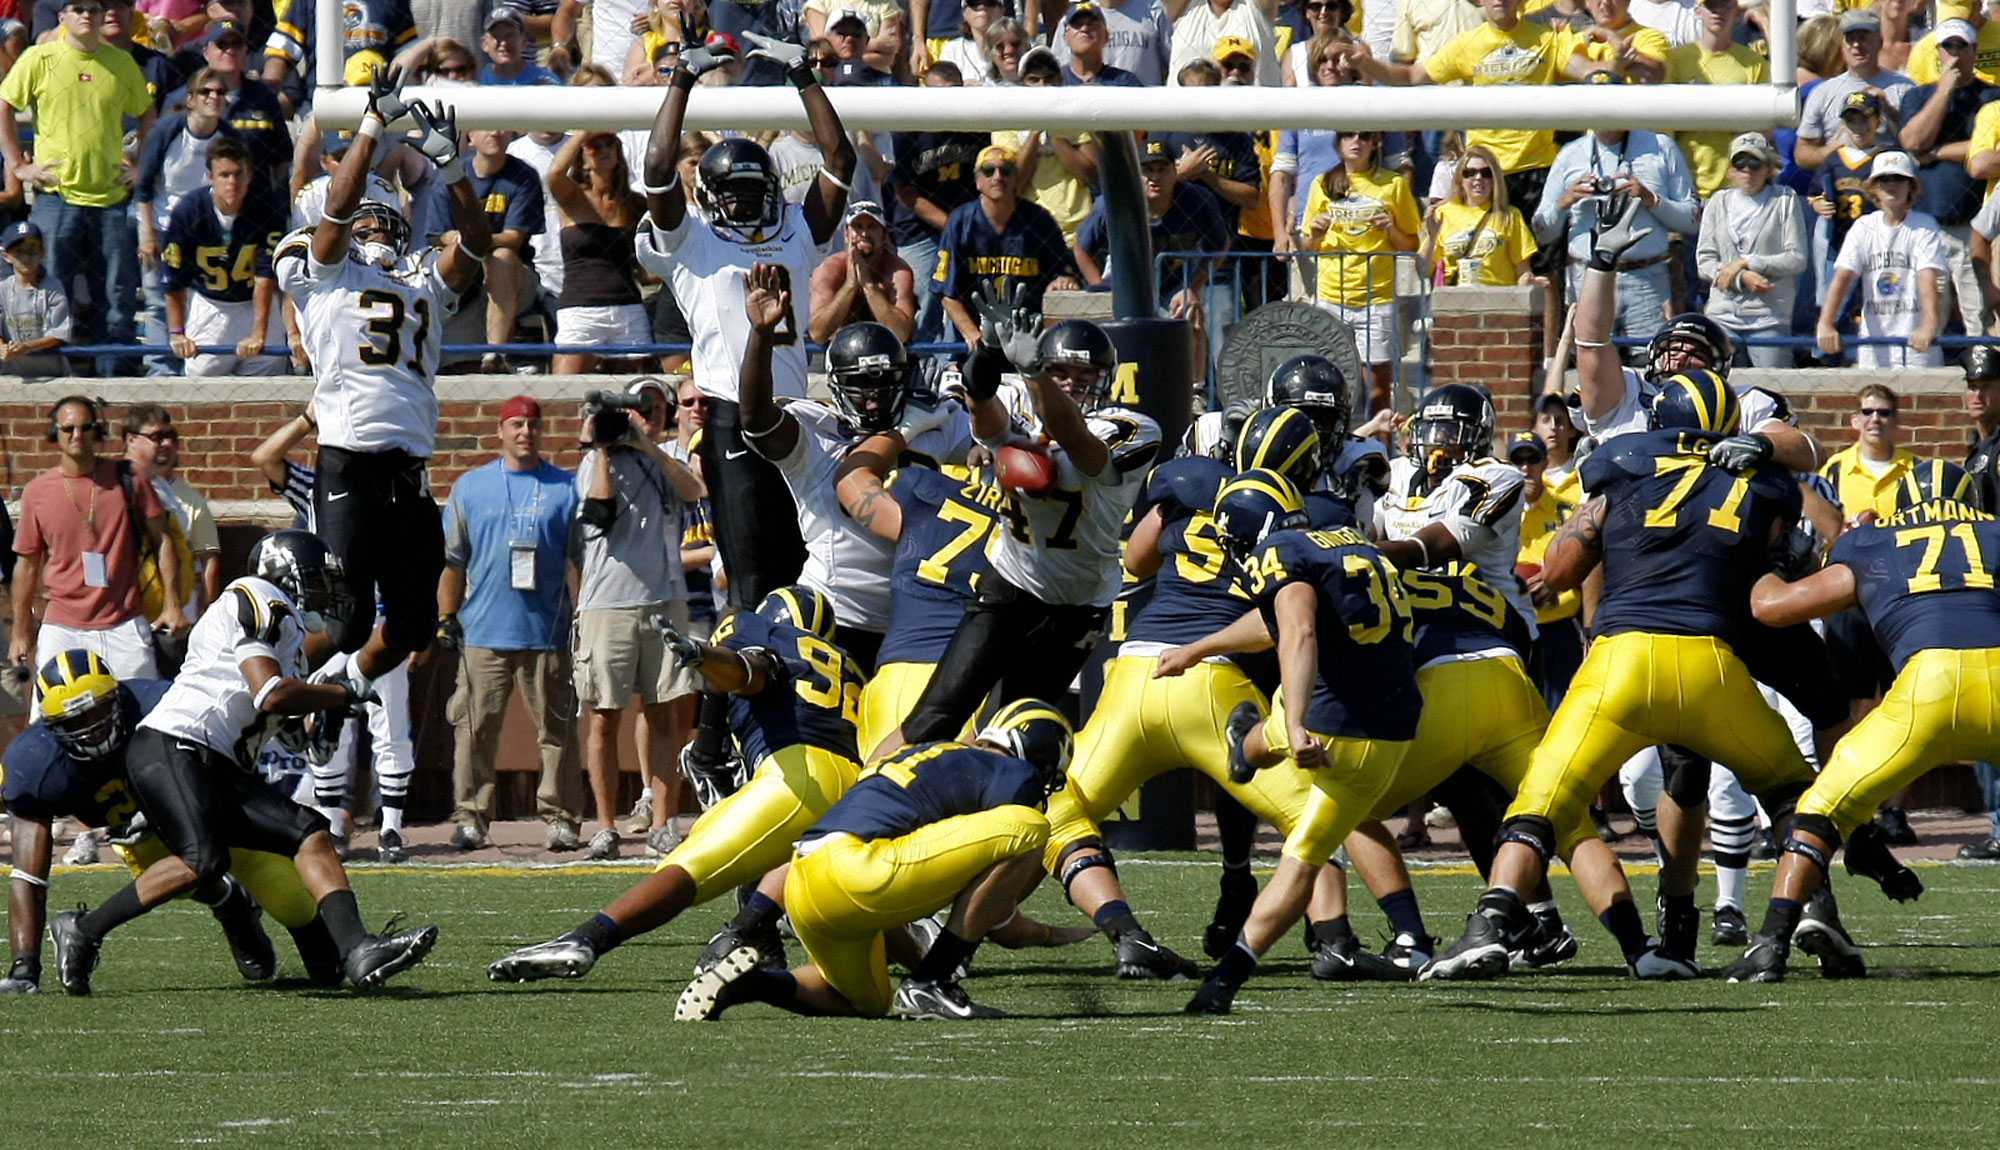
211, 702
1886, 260
373, 334
1674, 19
548, 253
611, 32
1480, 504
709, 273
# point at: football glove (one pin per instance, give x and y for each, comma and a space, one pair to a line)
1795, 554
1740, 453
437, 139
688, 651
450, 634
1006, 326
1616, 231
130, 833
713, 780
385, 95
785, 54
698, 62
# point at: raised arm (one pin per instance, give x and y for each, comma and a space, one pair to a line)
563, 184
1600, 373
460, 265
269, 456
666, 203
770, 429
350, 180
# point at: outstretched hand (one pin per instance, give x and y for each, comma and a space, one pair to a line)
718, 52
1616, 232
1006, 325
385, 95
688, 652
437, 127
783, 53
768, 299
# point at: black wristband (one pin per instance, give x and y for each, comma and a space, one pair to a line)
1603, 261
27, 968
801, 75
682, 78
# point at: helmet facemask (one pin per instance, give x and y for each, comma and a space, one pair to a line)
379, 235
872, 394
97, 726
1084, 382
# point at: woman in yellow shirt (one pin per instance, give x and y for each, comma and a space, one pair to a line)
670, 22
1362, 213
1476, 221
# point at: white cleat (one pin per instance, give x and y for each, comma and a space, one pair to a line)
565, 957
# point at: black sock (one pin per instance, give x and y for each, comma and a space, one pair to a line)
1329, 931
1236, 826
1622, 920
1237, 965
601, 931
115, 911
711, 731
758, 913
222, 896
1115, 918
342, 916
944, 957
1781, 918
1238, 884
1404, 917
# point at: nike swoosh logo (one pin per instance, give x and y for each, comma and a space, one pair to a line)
336, 496
735, 454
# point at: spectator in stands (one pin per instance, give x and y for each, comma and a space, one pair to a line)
1184, 217
538, 151
460, 20
706, 597
1084, 53
932, 177
1820, 127
607, 26
1938, 120
1057, 172
1650, 167
887, 28
153, 451
512, 195
1549, 494
175, 160
1007, 44
1203, 26
1424, 26
599, 305
1564, 15
1840, 187
1226, 164
1925, 66
219, 241
538, 22
1637, 53
1326, 20
504, 603
507, 51
1752, 251
997, 241
1304, 153
1895, 256
1867, 473
1360, 211
631, 576
1896, 19
120, 22
34, 314
967, 47
1134, 36
851, 36
668, 22
1475, 229
1714, 57
865, 281
439, 59
379, 26
79, 167
250, 109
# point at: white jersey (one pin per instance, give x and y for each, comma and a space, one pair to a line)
210, 702
709, 274
1479, 503
1062, 546
1759, 408
373, 335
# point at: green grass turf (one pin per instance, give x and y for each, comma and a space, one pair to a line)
174, 1049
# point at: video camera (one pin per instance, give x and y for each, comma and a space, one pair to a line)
606, 414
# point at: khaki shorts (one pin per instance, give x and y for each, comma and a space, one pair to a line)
619, 653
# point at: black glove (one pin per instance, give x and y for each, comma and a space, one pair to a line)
1795, 554
1740, 453
981, 377
1615, 231
688, 651
450, 634
385, 95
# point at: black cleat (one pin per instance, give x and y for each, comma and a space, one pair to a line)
1481, 952
242, 924
1213, 997
946, 1001
1232, 910
76, 953
318, 952
1550, 943
769, 946
1985, 850
1895, 826
1243, 718
1730, 927
1140, 957
1680, 932
1867, 855
1821, 935
379, 957
1763, 962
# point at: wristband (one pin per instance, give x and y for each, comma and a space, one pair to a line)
371, 126
264, 692
1422, 547
177, 331
801, 75
827, 175
341, 221
682, 78
20, 875
662, 190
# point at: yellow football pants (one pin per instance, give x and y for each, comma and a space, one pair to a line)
1144, 727
845, 893
1344, 793
1944, 707
1637, 690
1484, 712
744, 836
889, 697
273, 880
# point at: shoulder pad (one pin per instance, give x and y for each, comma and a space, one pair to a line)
1780, 409
1493, 490
1185, 486
1133, 437
296, 243
261, 618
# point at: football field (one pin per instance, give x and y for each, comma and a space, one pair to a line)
174, 1049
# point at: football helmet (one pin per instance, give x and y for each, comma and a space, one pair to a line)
1284, 440
1082, 358
736, 186
1698, 399
1982, 363
1689, 340
870, 376
1317, 386
1935, 479
379, 235
1035, 731
1452, 424
81, 706
800, 606
300, 565
1253, 505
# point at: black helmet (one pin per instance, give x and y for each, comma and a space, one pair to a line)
1251, 506
1452, 423
300, 565
80, 704
1087, 356
870, 375
1315, 384
1696, 338
1982, 362
736, 186
800, 606
1284, 440
1699, 400
1036, 732
1932, 479
391, 221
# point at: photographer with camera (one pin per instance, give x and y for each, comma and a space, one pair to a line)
627, 540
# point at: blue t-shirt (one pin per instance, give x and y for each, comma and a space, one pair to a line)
1111, 77
1191, 223
222, 264
512, 197
531, 75
1235, 159
926, 784
1944, 188
937, 166
490, 509
1031, 251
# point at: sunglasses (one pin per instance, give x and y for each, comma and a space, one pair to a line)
997, 169
697, 401
218, 93
168, 435
1747, 164
1478, 173
1322, 7
1878, 412
456, 69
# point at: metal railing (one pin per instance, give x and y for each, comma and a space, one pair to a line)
1947, 344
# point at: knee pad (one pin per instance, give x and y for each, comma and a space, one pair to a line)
1532, 831
1796, 846
1686, 777
1069, 866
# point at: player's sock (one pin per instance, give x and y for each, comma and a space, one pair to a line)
1238, 963
1622, 920
776, 987
1781, 918
1679, 922
1236, 826
1115, 918
1330, 931
1503, 906
392, 814
342, 916
1404, 917
601, 931
757, 912
944, 957
1732, 875
113, 912
225, 898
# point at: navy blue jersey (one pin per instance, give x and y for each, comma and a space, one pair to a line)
1030, 251
813, 700
938, 167
1235, 159
1683, 540
222, 264
1196, 591
1459, 613
1925, 579
926, 784
1326, 511
1193, 222
1367, 686
940, 559
43, 783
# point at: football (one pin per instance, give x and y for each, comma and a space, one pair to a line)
1024, 469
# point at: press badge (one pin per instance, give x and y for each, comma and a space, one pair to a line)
93, 570
521, 565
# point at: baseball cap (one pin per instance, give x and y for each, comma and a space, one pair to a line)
1084, 12
993, 153
1754, 144
1526, 446
1155, 151
223, 30
1888, 164
856, 15
506, 15
1862, 102
646, 383
1551, 399
1229, 47
520, 407
869, 208
24, 230
1860, 20
1039, 53
362, 66
1955, 30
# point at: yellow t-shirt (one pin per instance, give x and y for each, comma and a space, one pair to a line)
1063, 195
1648, 42
80, 101
1708, 152
1985, 136
1539, 521
1923, 66
1858, 490
1359, 282
1503, 244
1529, 54
1255, 222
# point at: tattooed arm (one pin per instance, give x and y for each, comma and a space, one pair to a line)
859, 486
1576, 548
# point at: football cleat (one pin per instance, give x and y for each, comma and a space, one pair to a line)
1763, 962
1344, 960
1232, 910
920, 998
83, 849
379, 957
1140, 957
1655, 964
1408, 953
1867, 855
565, 957
1481, 952
1731, 928
1895, 826
1680, 928
242, 925
1243, 719
389, 847
1213, 997
769, 947
925, 931
1821, 935
709, 994
1549, 943
76, 953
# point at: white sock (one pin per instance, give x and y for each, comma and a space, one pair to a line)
336, 817
1729, 884
392, 819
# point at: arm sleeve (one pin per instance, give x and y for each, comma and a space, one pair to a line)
153, 158
56, 321
177, 249
457, 546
